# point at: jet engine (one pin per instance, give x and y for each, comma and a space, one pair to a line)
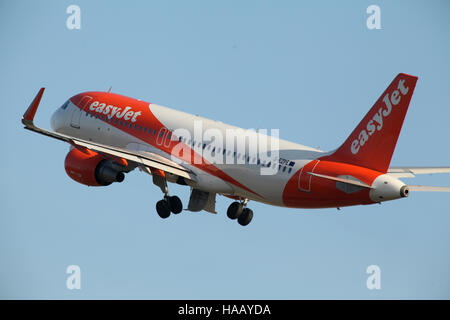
92, 169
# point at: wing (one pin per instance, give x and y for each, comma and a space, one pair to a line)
145, 159
410, 172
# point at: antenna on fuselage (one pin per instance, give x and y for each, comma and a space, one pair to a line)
109, 90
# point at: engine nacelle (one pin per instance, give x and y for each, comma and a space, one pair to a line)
92, 169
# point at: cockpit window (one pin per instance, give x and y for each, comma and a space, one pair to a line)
64, 106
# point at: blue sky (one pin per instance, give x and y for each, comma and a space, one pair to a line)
311, 69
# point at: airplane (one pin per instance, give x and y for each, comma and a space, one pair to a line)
111, 134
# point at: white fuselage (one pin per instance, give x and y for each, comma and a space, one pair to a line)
267, 184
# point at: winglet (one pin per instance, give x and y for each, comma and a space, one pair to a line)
28, 116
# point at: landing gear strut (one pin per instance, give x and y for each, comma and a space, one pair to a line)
238, 210
170, 203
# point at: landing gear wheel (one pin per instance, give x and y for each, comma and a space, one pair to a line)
175, 204
163, 209
234, 210
246, 217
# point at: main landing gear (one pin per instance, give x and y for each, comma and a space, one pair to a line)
170, 203
238, 210
167, 205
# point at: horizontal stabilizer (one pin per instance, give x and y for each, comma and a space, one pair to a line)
410, 172
343, 180
429, 188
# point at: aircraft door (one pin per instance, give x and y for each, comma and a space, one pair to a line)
304, 179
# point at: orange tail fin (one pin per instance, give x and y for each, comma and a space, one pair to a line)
373, 141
